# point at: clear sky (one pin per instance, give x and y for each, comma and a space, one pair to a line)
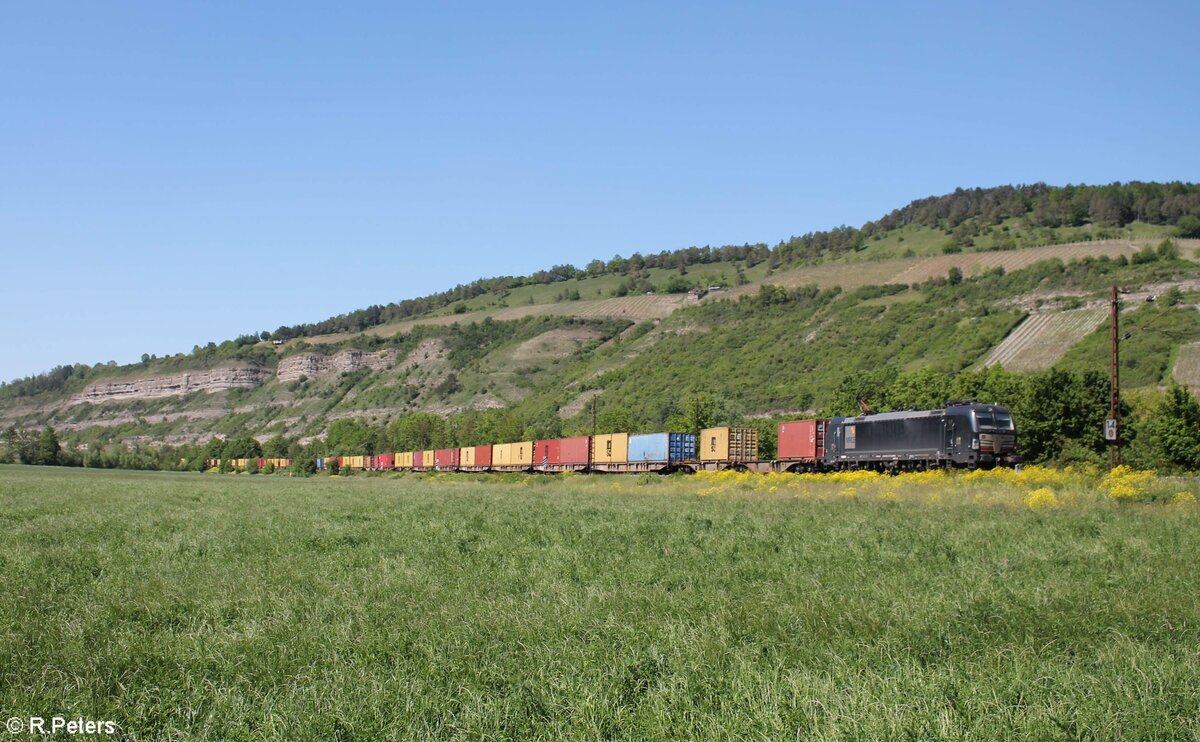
178, 172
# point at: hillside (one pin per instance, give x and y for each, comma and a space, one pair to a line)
790, 329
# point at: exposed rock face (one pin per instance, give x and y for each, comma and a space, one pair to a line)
175, 385
316, 364
429, 355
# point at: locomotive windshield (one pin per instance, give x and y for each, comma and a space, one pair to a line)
998, 420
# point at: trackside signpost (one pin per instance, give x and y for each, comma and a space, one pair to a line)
1110, 430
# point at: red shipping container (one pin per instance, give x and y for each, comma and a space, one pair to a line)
385, 461
802, 440
483, 456
575, 450
261, 463
561, 452
417, 459
368, 462
446, 458
547, 452
341, 461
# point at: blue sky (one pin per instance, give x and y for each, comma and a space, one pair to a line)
174, 173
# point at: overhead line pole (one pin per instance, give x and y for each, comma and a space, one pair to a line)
1114, 450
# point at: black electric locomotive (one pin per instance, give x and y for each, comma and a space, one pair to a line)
962, 435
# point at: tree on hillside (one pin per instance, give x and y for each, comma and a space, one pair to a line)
352, 438
1175, 429
704, 410
416, 432
242, 447
48, 451
1188, 226
276, 448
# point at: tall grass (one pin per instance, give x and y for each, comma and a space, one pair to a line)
238, 607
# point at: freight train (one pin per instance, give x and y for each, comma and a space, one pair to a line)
962, 434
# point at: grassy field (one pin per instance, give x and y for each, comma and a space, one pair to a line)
219, 606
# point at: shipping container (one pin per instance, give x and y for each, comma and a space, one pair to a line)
662, 447
404, 460
561, 452
321, 462
446, 458
478, 457
500, 454
547, 452
429, 457
418, 461
385, 461
728, 444
575, 451
802, 440
610, 449
513, 455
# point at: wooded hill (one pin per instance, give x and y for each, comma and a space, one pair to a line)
802, 327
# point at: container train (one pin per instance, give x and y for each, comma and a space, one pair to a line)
960, 435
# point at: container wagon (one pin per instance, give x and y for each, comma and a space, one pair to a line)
728, 448
562, 454
610, 453
801, 446
661, 452
513, 456
446, 459
475, 458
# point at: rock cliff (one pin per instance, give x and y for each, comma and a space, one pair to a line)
316, 364
174, 385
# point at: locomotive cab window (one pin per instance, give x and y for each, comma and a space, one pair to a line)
993, 420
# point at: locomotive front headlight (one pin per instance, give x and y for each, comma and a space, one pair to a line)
975, 444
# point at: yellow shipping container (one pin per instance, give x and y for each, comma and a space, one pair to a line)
466, 456
513, 454
240, 463
728, 444
404, 460
610, 449
427, 459
502, 454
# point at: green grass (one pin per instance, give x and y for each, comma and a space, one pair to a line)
238, 607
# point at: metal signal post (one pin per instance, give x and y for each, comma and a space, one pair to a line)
1112, 426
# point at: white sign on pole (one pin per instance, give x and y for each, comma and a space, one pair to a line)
1110, 429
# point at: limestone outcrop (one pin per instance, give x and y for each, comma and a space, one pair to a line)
172, 385
316, 364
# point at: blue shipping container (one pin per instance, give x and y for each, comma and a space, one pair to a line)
320, 463
670, 447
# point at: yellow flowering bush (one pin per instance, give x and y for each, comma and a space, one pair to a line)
1035, 487
1126, 484
1042, 499
1029, 476
933, 476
